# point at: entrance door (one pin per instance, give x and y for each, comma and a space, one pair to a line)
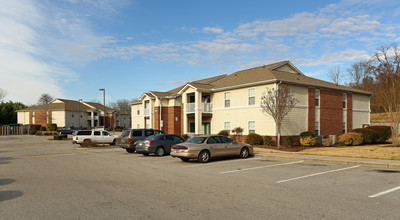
206, 128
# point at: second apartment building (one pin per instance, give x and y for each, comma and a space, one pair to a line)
224, 102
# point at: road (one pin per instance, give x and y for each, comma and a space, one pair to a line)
54, 180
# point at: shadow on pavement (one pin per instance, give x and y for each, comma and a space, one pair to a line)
6, 181
9, 194
5, 160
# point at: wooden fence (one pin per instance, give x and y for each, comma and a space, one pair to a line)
13, 130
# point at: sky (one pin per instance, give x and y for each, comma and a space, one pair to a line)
72, 48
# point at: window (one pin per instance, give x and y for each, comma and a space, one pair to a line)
316, 129
344, 100
213, 140
149, 132
192, 127
138, 110
227, 99
97, 133
227, 127
225, 140
177, 139
317, 97
72, 114
252, 96
105, 133
33, 114
252, 127
344, 128
137, 133
81, 115
138, 125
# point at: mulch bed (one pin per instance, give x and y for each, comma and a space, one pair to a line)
286, 148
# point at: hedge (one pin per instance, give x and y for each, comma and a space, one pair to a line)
374, 134
307, 134
254, 139
268, 141
51, 127
351, 138
308, 141
34, 129
224, 133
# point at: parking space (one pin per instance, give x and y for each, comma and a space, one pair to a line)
256, 186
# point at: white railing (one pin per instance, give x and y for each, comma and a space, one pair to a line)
190, 107
207, 107
146, 111
89, 118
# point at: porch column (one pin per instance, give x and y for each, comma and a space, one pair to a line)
184, 118
198, 113
92, 119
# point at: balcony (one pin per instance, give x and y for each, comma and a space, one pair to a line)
190, 107
89, 118
146, 112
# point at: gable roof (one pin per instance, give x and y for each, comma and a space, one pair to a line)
68, 105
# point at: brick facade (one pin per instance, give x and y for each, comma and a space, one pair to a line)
349, 112
169, 115
331, 112
40, 118
311, 109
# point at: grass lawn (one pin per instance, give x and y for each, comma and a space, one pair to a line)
382, 151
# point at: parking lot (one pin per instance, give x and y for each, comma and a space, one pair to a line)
48, 180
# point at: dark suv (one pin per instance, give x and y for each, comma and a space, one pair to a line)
129, 137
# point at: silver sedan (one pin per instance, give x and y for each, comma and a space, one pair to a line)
206, 147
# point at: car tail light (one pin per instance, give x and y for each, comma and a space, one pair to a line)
178, 147
148, 142
129, 141
76, 138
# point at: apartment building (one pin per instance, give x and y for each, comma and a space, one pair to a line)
224, 102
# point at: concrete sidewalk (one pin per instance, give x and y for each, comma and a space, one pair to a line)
389, 164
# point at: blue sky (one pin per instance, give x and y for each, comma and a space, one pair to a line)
71, 48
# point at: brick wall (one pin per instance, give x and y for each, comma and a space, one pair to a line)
349, 112
311, 109
168, 114
331, 112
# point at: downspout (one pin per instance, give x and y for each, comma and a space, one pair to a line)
160, 105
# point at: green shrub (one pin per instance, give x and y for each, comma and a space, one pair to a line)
224, 133
268, 140
350, 138
383, 133
308, 141
64, 136
42, 129
34, 129
51, 127
369, 135
307, 134
288, 140
57, 137
254, 139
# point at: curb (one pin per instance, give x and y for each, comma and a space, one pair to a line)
355, 161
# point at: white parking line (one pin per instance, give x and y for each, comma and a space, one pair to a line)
204, 164
385, 192
253, 168
316, 174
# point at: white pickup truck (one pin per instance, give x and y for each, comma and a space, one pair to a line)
99, 137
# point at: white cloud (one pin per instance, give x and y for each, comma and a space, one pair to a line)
213, 30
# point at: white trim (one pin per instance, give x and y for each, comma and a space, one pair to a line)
360, 110
252, 106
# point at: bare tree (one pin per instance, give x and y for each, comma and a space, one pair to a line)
45, 99
277, 104
3, 94
361, 74
387, 86
122, 105
335, 75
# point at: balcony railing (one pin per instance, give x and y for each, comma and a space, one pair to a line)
89, 118
146, 111
190, 107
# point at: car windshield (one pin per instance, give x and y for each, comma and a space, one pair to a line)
150, 138
196, 140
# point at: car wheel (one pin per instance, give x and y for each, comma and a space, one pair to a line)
146, 154
160, 151
204, 156
87, 142
244, 153
113, 143
130, 150
185, 159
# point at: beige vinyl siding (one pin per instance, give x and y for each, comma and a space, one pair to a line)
286, 68
360, 110
23, 118
137, 119
58, 117
295, 121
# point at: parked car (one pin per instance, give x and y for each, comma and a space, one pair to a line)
101, 128
129, 137
159, 144
99, 137
66, 130
206, 147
